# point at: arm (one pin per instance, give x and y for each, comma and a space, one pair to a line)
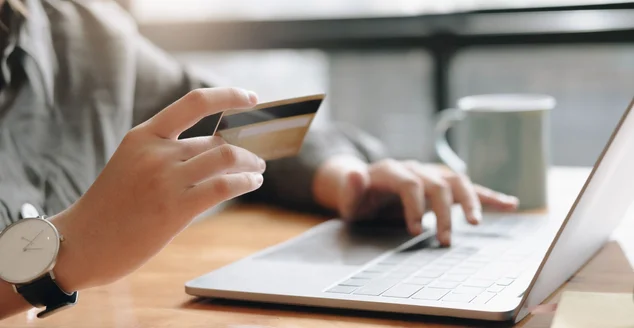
321, 145
152, 178
10, 302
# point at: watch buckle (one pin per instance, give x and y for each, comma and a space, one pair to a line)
50, 310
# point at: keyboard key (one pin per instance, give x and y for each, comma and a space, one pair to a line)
380, 268
448, 261
481, 258
437, 251
427, 254
454, 277
514, 274
488, 275
459, 298
402, 290
420, 281
430, 294
505, 281
429, 274
342, 289
355, 282
420, 264
468, 290
407, 269
367, 275
472, 264
466, 250
438, 267
467, 271
417, 263
495, 289
497, 266
398, 274
482, 283
376, 288
396, 258
456, 256
445, 284
483, 298
493, 250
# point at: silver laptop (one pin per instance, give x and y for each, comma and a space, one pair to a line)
498, 270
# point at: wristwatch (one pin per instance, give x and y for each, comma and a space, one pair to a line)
28, 252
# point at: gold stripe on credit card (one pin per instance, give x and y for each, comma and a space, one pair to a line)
271, 130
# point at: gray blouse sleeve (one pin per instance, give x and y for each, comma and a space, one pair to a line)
289, 182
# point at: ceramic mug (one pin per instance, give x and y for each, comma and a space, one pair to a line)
505, 140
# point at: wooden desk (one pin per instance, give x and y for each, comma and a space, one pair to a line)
154, 296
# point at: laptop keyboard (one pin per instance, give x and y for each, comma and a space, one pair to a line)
482, 262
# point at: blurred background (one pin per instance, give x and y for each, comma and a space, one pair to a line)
390, 66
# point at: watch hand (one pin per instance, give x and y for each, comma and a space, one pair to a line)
31, 243
26, 239
32, 249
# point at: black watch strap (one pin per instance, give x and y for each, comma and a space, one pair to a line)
45, 292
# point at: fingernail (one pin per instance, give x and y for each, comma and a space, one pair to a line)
258, 178
508, 198
477, 215
262, 165
445, 238
253, 97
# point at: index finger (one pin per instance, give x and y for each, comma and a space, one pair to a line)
465, 194
196, 105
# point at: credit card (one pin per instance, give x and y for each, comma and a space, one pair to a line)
271, 130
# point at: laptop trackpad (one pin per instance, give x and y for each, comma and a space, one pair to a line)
334, 242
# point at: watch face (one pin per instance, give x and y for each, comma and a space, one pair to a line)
28, 249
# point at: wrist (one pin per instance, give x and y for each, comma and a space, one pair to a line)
68, 271
330, 179
11, 302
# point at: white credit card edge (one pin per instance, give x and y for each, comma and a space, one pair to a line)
276, 125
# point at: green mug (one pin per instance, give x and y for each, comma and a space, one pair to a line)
505, 140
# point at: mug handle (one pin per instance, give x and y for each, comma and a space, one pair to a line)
446, 119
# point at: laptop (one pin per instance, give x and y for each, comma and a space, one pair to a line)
496, 271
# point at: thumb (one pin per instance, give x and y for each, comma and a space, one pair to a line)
355, 185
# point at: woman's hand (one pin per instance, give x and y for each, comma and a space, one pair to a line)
151, 189
403, 190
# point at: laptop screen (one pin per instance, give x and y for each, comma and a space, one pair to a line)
603, 201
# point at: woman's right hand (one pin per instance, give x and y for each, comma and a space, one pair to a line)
151, 189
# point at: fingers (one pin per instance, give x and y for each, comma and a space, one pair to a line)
440, 198
221, 188
392, 176
496, 199
465, 194
197, 104
220, 160
195, 146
